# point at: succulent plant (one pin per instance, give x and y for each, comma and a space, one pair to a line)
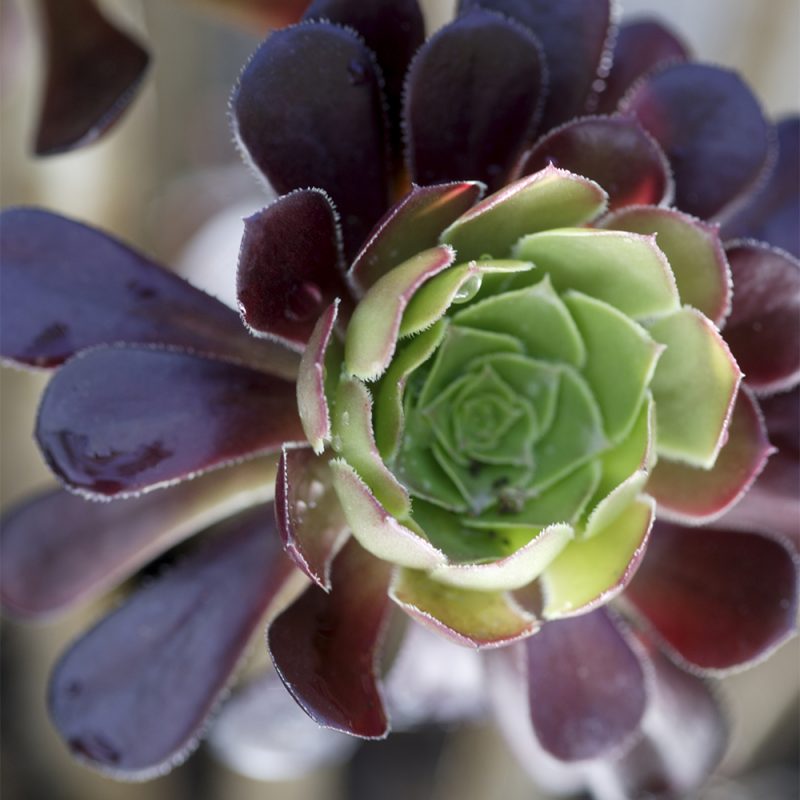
495, 399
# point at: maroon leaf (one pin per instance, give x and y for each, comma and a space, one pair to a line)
685, 735
310, 520
325, 646
290, 266
93, 73
720, 599
711, 128
393, 31
308, 111
115, 421
59, 549
772, 213
131, 695
587, 690
411, 226
613, 151
468, 113
67, 287
698, 495
765, 317
574, 35
640, 47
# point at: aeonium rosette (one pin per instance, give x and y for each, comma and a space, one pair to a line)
490, 411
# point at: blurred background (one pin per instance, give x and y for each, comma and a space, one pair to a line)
169, 181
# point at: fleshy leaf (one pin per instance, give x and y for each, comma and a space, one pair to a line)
289, 266
620, 360
711, 128
640, 47
116, 421
411, 226
60, 550
511, 572
613, 151
536, 316
189, 627
684, 735
718, 598
479, 619
699, 495
318, 367
765, 318
772, 212
589, 572
694, 387
693, 250
392, 31
458, 91
552, 198
93, 73
322, 125
310, 520
325, 646
614, 504
574, 36
377, 530
354, 441
586, 687
626, 270
374, 327
388, 396
67, 287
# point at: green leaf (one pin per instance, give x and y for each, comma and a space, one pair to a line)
624, 269
375, 325
552, 198
694, 387
471, 618
375, 528
388, 397
457, 285
352, 438
536, 316
693, 250
605, 513
589, 572
575, 436
512, 572
620, 360
457, 351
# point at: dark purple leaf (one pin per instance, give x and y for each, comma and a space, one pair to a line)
93, 72
310, 519
719, 598
131, 696
772, 212
67, 287
117, 420
762, 329
290, 266
613, 151
59, 549
685, 735
469, 113
574, 35
695, 494
308, 111
640, 47
587, 690
712, 130
411, 226
325, 646
393, 31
